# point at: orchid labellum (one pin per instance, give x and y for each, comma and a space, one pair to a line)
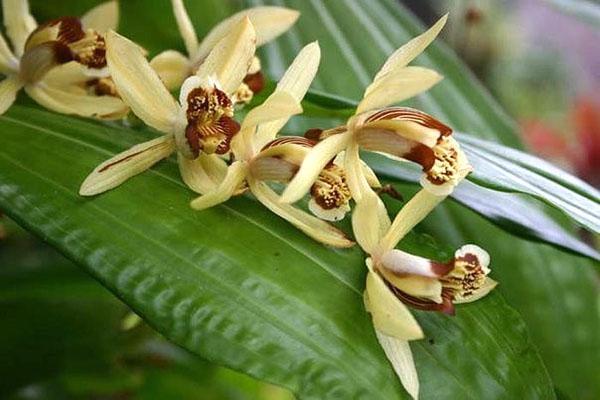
61, 64
173, 67
199, 128
260, 157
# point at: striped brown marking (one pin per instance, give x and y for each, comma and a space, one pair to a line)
445, 306
124, 159
197, 134
297, 140
421, 155
313, 134
410, 114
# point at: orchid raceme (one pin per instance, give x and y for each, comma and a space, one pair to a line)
60, 64
398, 132
260, 157
199, 128
173, 67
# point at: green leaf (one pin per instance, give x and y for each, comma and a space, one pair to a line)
238, 285
510, 170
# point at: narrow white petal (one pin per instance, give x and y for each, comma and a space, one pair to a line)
172, 67
312, 166
19, 23
390, 315
401, 262
186, 29
9, 88
278, 106
317, 229
76, 101
8, 62
409, 216
357, 182
203, 174
369, 221
408, 52
399, 354
397, 87
269, 22
138, 84
231, 57
102, 18
123, 166
295, 81
236, 173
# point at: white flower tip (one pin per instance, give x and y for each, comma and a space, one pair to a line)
482, 256
332, 215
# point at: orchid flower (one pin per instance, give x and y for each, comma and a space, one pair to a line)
173, 67
199, 128
397, 132
261, 158
397, 279
60, 64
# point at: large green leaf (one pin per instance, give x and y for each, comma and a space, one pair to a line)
236, 284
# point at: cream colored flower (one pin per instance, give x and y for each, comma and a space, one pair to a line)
199, 128
398, 132
261, 158
173, 67
60, 64
397, 279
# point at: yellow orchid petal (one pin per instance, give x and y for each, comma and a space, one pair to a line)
357, 182
202, 174
77, 101
390, 316
319, 230
413, 212
416, 286
71, 75
369, 221
172, 67
8, 62
403, 263
295, 81
399, 354
478, 293
18, 22
138, 84
186, 29
236, 173
406, 129
102, 18
278, 106
312, 166
231, 57
408, 52
123, 166
397, 87
269, 22
9, 88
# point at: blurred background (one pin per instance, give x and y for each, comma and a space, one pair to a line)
64, 336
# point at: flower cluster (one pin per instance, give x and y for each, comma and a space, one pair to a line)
83, 67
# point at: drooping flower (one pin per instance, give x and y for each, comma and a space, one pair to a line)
61, 64
397, 132
397, 279
173, 67
199, 128
260, 157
